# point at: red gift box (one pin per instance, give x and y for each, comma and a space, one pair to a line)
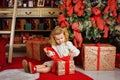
62, 66
98, 57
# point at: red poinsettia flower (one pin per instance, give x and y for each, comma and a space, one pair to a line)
61, 18
79, 8
64, 24
80, 12
62, 21
97, 18
99, 22
96, 11
70, 11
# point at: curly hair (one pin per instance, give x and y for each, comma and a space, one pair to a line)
57, 31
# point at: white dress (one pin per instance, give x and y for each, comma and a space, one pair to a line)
63, 50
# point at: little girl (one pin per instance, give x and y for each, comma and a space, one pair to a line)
59, 40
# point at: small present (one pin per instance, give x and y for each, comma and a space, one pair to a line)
35, 48
61, 65
98, 57
65, 67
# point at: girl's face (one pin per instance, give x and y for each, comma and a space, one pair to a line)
60, 38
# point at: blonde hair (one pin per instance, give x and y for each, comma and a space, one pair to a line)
57, 31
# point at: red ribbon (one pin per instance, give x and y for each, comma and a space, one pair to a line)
98, 56
56, 58
32, 49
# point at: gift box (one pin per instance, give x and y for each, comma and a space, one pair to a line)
65, 67
61, 65
98, 56
34, 48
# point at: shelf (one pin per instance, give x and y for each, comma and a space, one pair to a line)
31, 12
26, 15
17, 45
6, 12
32, 30
5, 32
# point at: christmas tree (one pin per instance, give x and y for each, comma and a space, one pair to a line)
91, 21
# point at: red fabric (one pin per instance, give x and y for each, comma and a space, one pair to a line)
117, 60
76, 76
17, 64
3, 42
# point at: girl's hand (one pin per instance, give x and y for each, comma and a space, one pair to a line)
48, 52
45, 50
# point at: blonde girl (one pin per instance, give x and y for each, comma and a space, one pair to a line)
59, 40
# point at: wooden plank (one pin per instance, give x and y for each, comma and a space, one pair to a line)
5, 32
6, 12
